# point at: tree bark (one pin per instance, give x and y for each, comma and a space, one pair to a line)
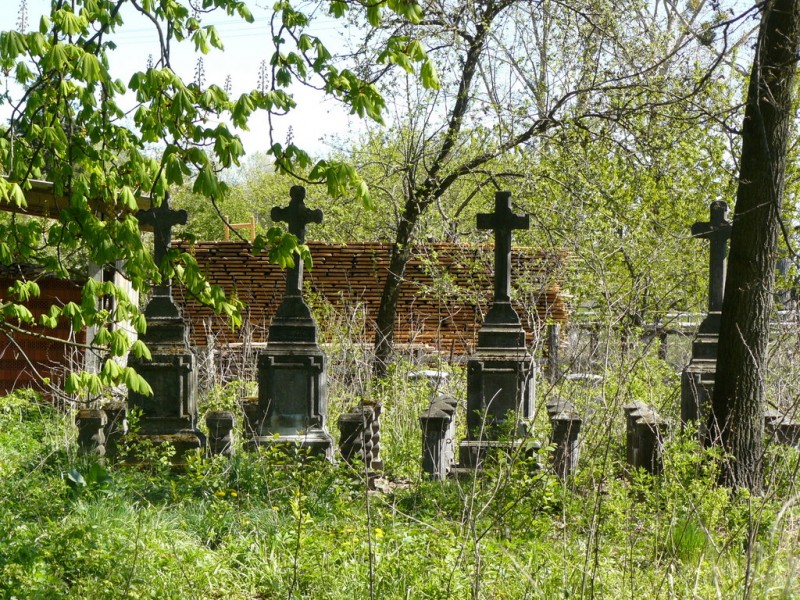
387, 312
737, 417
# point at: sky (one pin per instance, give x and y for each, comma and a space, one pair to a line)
316, 121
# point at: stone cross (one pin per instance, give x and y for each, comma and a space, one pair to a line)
718, 231
297, 215
163, 219
503, 222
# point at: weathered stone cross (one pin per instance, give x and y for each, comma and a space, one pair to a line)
718, 231
163, 219
503, 222
297, 215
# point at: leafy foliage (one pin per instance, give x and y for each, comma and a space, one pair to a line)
71, 124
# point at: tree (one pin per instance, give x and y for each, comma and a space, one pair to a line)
69, 125
737, 418
514, 75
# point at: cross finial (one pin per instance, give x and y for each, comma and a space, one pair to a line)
503, 221
297, 215
718, 231
162, 218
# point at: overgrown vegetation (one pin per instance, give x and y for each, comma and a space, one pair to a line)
279, 524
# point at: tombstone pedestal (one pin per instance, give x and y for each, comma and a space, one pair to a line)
360, 439
91, 436
697, 379
170, 414
438, 436
292, 398
500, 396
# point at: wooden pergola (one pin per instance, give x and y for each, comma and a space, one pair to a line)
42, 201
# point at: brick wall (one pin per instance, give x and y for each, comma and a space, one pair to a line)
26, 359
441, 306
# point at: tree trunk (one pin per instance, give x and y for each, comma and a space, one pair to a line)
384, 333
737, 419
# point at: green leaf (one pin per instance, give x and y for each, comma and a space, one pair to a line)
206, 182
111, 371
73, 384
374, 14
140, 350
136, 382
69, 23
12, 44
338, 8
127, 198
139, 323
428, 74
90, 69
102, 337
119, 343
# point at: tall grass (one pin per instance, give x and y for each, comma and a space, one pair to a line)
276, 524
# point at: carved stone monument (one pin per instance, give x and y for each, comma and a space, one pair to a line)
292, 380
645, 432
360, 438
697, 379
500, 375
170, 414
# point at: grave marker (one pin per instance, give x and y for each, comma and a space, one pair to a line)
697, 379
292, 378
718, 231
500, 376
170, 414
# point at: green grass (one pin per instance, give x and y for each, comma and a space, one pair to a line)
277, 525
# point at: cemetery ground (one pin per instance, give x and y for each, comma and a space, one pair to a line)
274, 524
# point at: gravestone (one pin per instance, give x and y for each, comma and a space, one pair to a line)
697, 379
170, 414
292, 378
220, 424
565, 424
360, 438
91, 425
438, 425
780, 428
500, 375
645, 432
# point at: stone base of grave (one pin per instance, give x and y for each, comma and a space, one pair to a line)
645, 435
181, 433
438, 425
91, 424
500, 391
116, 426
360, 438
316, 443
473, 454
697, 382
292, 397
780, 428
220, 425
183, 443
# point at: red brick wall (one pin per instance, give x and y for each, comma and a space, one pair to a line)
26, 359
447, 290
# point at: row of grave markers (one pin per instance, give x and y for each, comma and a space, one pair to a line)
292, 381
291, 407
